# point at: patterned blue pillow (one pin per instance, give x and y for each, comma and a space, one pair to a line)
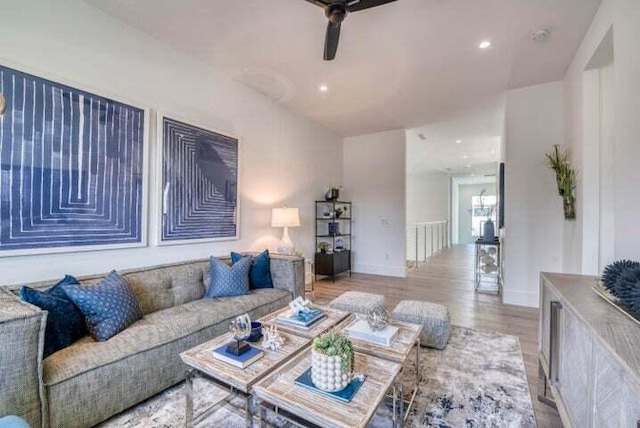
260, 271
108, 306
65, 322
229, 280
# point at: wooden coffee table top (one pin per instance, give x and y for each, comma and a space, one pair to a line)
399, 349
332, 318
201, 358
279, 389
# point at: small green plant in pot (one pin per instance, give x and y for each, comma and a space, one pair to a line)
566, 180
323, 247
332, 362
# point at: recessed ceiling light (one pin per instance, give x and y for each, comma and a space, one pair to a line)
473, 175
458, 141
323, 88
468, 166
485, 44
465, 157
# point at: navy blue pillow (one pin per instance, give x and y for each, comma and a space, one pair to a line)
109, 306
229, 280
260, 271
65, 322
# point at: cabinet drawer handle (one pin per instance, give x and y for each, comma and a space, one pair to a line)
554, 351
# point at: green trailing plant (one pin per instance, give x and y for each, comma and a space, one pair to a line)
566, 179
334, 344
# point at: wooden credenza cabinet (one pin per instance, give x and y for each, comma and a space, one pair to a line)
589, 355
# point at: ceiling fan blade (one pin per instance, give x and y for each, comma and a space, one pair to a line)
322, 3
367, 4
331, 41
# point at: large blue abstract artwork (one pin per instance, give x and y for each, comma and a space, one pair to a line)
71, 168
199, 183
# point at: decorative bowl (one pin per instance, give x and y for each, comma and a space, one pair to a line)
256, 331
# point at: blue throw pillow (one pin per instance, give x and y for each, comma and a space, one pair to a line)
229, 280
65, 322
108, 306
260, 270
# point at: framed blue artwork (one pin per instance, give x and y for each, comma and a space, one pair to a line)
72, 168
199, 187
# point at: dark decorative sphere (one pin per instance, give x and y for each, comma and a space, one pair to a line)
612, 272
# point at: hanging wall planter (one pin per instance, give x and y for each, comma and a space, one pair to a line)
566, 179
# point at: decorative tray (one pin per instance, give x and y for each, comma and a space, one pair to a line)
614, 301
345, 395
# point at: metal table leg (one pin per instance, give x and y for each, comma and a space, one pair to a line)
189, 390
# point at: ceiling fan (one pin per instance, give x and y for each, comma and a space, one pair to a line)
336, 11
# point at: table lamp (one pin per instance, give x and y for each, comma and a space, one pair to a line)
285, 217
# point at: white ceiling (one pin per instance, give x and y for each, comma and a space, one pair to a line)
401, 65
463, 144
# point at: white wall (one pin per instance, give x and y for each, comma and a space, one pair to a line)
374, 177
624, 17
284, 158
427, 196
533, 209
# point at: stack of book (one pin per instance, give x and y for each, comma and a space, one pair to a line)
303, 320
241, 361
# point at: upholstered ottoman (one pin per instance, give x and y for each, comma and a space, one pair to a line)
355, 301
433, 317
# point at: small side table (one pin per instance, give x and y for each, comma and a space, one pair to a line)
486, 267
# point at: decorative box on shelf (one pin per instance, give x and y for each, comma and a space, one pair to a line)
360, 330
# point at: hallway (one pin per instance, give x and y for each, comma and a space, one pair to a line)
447, 278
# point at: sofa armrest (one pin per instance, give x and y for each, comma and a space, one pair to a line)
287, 273
21, 343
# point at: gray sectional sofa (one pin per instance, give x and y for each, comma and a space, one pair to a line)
90, 381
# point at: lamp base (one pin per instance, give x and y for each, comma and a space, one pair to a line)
286, 247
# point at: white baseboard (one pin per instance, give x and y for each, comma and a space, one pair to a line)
520, 298
396, 271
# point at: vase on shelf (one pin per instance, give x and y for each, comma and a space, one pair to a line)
489, 231
333, 194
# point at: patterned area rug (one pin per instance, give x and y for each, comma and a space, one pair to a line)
478, 380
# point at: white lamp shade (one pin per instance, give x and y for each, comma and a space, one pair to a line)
285, 217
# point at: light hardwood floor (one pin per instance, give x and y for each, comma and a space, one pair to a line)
447, 278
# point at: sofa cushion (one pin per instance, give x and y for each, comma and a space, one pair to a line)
187, 282
152, 289
260, 270
154, 330
65, 322
108, 307
229, 280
